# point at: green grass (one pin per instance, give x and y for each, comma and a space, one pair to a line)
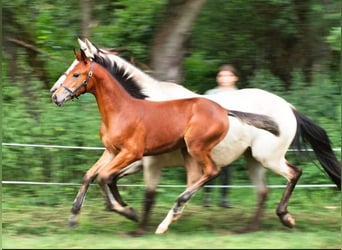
37, 221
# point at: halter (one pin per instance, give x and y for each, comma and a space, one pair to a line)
84, 84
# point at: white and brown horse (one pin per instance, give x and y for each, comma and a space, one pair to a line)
259, 149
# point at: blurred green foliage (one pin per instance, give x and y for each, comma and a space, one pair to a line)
255, 36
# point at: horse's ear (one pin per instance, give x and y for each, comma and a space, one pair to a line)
92, 48
82, 44
84, 56
77, 55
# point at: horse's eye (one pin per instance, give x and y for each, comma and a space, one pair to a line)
76, 75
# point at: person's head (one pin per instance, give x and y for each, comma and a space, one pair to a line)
226, 76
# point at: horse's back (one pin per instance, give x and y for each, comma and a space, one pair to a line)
250, 100
259, 101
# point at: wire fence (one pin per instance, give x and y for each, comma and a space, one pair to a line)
18, 182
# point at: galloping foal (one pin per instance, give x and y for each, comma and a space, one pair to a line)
132, 128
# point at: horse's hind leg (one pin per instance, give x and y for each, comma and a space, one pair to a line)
282, 212
292, 174
153, 166
258, 178
177, 209
194, 184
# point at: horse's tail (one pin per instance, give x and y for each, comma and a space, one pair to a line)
259, 121
320, 143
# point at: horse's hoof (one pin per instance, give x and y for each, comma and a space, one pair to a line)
73, 221
129, 213
249, 229
73, 224
176, 216
133, 215
288, 220
160, 230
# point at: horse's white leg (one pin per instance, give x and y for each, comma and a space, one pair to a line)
87, 179
173, 214
258, 178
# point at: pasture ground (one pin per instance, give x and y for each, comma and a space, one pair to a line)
37, 217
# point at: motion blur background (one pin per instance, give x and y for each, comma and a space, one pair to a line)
290, 48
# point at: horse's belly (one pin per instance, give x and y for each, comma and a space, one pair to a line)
234, 144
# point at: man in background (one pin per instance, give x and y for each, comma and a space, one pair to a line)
226, 79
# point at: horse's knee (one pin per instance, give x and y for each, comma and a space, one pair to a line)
88, 179
103, 178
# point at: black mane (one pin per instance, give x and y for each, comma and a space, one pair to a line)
129, 84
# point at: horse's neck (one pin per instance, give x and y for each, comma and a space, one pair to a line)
111, 97
139, 76
153, 88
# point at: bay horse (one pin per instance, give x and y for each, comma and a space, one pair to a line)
270, 154
132, 128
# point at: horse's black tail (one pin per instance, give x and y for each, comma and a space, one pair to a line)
320, 143
259, 121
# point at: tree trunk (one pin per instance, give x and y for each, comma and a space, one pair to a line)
169, 44
86, 17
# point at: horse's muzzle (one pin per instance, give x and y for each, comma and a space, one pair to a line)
58, 102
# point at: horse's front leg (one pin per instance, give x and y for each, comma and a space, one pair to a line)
87, 179
130, 169
107, 180
112, 193
114, 205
